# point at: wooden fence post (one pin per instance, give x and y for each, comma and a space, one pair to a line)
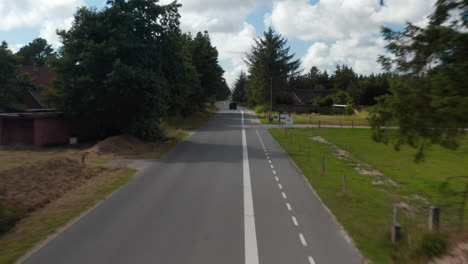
345, 186
434, 217
396, 228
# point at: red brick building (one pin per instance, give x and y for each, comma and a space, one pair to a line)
33, 129
38, 126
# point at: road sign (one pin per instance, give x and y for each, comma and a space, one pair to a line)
289, 121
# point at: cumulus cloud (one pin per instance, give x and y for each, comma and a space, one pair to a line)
46, 14
349, 27
341, 19
232, 48
358, 54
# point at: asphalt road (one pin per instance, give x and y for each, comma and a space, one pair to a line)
227, 194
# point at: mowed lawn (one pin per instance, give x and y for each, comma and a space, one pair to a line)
365, 210
313, 119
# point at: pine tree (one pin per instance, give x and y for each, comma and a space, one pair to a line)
270, 58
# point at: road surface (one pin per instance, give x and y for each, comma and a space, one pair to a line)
227, 194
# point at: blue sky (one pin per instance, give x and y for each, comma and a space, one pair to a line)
321, 33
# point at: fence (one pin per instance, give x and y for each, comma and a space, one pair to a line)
407, 217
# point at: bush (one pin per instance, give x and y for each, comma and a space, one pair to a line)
433, 245
262, 108
7, 219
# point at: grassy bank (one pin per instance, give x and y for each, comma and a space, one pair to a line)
378, 178
46, 221
313, 119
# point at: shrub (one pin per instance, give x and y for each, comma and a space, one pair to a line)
433, 245
262, 108
7, 219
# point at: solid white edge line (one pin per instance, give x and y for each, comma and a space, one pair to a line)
294, 220
250, 235
303, 241
288, 206
311, 260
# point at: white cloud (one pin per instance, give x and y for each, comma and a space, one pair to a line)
349, 25
360, 55
48, 15
341, 19
15, 47
232, 48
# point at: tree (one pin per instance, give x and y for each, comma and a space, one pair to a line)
205, 60
239, 94
38, 51
429, 101
13, 84
111, 71
270, 58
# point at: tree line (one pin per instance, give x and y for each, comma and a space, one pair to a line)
124, 69
423, 91
270, 64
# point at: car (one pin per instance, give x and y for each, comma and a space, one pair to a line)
233, 106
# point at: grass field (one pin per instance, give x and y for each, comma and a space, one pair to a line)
365, 210
313, 119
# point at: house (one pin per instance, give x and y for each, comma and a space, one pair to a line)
38, 125
34, 128
42, 76
306, 97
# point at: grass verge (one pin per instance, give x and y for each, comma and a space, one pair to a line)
365, 210
313, 119
46, 221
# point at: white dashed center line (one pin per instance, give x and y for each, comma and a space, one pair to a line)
280, 186
311, 260
294, 220
303, 241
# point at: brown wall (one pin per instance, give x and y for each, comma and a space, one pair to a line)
51, 131
17, 132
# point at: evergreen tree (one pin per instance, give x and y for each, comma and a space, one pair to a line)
269, 60
13, 84
429, 102
239, 94
38, 52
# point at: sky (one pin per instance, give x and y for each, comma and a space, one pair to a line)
321, 33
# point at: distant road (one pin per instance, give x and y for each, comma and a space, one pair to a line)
227, 194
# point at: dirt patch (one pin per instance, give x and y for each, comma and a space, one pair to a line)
319, 139
409, 209
457, 255
342, 154
26, 188
384, 182
119, 147
367, 171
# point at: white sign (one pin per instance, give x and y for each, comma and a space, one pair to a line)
289, 121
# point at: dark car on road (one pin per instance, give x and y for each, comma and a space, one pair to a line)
233, 106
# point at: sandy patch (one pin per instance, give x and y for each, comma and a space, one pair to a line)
367, 171
457, 255
319, 139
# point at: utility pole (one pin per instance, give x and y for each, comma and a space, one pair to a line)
271, 97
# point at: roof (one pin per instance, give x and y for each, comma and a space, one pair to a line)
42, 76
30, 115
306, 96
